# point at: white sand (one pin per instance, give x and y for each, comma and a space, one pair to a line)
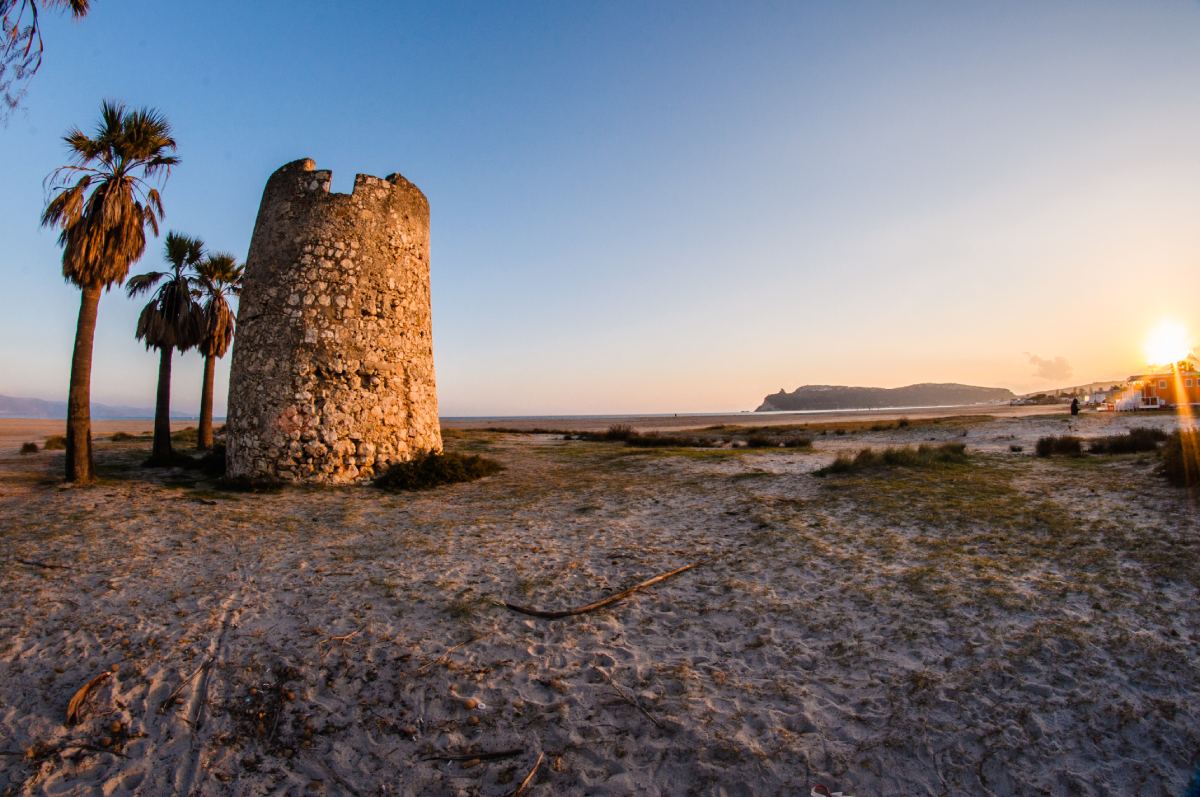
1016, 626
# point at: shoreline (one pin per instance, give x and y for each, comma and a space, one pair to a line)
652, 421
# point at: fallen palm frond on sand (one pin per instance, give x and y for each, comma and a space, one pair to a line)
75, 706
600, 604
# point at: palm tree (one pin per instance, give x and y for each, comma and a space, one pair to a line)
171, 320
220, 277
103, 203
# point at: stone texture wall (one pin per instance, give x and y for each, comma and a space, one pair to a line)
332, 374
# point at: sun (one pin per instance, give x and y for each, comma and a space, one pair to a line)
1166, 343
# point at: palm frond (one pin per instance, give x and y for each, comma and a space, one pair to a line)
141, 283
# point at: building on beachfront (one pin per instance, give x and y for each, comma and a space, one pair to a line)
1168, 387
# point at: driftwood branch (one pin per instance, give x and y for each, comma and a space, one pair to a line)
480, 756
600, 604
43, 565
525, 784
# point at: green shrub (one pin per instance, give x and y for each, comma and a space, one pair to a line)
1181, 459
29, 448
188, 435
432, 470
797, 442
904, 457
1142, 438
1064, 446
121, 437
56, 442
760, 441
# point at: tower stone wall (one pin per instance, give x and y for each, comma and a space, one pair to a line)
332, 375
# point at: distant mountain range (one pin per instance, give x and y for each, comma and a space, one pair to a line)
841, 397
13, 407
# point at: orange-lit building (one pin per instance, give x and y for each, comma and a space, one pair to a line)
1169, 387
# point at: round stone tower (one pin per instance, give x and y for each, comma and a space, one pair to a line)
332, 375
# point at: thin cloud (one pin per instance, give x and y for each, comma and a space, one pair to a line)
1056, 369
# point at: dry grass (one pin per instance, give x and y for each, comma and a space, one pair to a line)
1060, 446
922, 456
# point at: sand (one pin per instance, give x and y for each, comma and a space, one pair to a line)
1012, 626
664, 423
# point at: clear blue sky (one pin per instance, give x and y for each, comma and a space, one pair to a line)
667, 206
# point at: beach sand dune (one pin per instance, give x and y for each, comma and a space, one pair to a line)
1008, 626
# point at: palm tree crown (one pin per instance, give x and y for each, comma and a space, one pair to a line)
219, 277
103, 200
172, 318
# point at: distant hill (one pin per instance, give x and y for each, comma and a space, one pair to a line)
841, 397
14, 407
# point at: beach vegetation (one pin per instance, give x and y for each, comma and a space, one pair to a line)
1059, 446
55, 442
172, 320
897, 457
219, 277
433, 469
102, 203
1142, 438
1181, 459
29, 448
122, 437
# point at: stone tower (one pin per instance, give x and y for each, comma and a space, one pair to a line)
332, 375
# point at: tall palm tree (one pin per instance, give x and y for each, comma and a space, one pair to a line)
103, 203
171, 320
220, 277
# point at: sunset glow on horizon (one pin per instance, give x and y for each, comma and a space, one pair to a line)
1167, 343
640, 209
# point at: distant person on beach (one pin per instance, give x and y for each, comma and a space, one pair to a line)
1074, 406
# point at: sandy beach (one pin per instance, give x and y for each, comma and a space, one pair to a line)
669, 422
1009, 626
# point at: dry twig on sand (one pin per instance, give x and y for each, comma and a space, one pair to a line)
444, 657
170, 699
525, 784
81, 696
342, 638
630, 699
43, 565
482, 756
600, 604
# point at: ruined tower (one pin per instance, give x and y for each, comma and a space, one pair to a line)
332, 375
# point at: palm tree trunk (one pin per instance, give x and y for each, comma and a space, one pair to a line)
162, 454
204, 436
80, 467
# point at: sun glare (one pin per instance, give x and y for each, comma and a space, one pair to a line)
1167, 343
